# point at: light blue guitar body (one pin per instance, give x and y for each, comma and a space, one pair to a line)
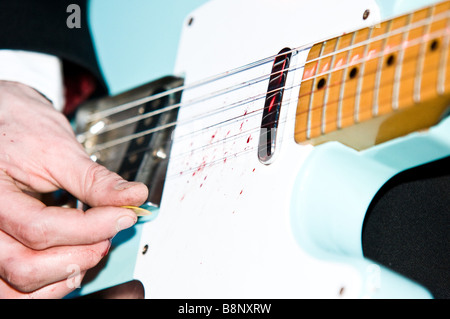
333, 228
326, 229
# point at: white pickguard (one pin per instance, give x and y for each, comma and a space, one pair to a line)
223, 230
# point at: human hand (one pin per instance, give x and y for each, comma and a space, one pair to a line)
39, 153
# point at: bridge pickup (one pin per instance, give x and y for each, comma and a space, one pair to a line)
272, 107
131, 133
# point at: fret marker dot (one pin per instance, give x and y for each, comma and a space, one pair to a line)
321, 84
390, 60
353, 73
434, 45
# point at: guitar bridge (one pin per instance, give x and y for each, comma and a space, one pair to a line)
131, 133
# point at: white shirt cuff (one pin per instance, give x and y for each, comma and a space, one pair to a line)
40, 71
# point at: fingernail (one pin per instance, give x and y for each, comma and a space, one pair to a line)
106, 250
124, 223
123, 184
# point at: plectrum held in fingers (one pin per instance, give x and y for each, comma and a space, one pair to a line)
139, 211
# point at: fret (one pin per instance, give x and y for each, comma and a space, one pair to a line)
359, 89
350, 82
437, 53
316, 101
411, 51
433, 56
380, 62
371, 65
388, 100
333, 88
445, 50
399, 67
374, 84
343, 103
306, 92
420, 60
331, 47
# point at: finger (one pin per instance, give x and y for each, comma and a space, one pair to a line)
27, 270
95, 185
56, 290
39, 227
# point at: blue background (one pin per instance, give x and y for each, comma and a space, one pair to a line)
137, 40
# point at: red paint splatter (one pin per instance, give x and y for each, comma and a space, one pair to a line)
249, 139
201, 185
213, 137
241, 192
202, 166
254, 169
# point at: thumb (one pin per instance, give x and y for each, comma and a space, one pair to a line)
95, 185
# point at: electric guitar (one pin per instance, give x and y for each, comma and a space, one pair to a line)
264, 152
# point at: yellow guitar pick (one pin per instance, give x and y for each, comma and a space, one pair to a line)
139, 211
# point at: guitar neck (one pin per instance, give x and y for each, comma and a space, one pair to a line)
377, 83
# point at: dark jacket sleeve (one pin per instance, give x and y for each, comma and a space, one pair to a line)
41, 26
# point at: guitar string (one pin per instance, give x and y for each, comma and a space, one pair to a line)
150, 114
251, 149
120, 108
227, 157
112, 143
140, 102
402, 46
123, 107
231, 138
237, 136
